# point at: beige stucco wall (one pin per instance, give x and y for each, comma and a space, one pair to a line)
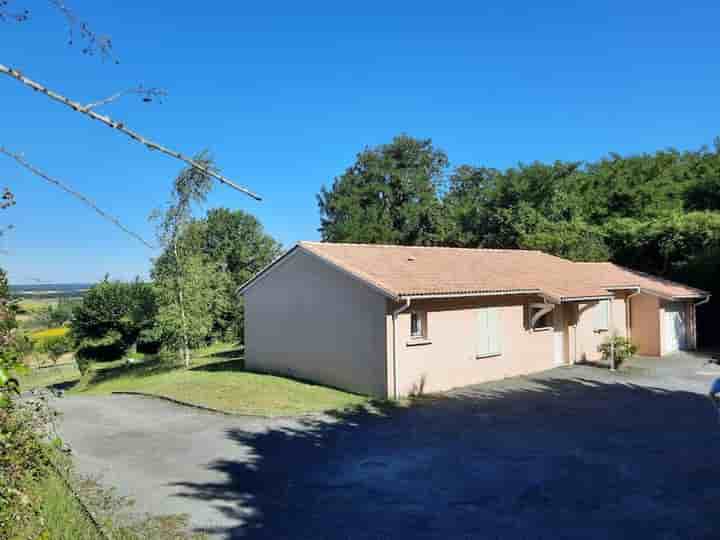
588, 339
449, 360
311, 321
645, 316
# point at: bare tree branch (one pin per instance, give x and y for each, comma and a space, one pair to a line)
7, 15
37, 172
94, 42
74, 105
148, 94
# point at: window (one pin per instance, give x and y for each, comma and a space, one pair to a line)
418, 324
488, 333
602, 315
545, 320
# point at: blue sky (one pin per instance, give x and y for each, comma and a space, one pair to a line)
285, 94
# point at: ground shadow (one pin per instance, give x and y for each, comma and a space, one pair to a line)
547, 457
236, 364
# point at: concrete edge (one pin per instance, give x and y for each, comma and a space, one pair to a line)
304, 416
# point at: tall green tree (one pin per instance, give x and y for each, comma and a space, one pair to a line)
233, 243
389, 195
181, 307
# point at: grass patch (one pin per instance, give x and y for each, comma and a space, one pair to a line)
50, 376
217, 379
231, 389
60, 513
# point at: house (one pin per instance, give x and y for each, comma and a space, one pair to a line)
389, 321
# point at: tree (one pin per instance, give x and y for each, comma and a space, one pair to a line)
390, 195
57, 315
187, 320
234, 243
181, 282
112, 317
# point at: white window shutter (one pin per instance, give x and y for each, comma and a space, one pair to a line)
494, 333
481, 335
602, 315
489, 335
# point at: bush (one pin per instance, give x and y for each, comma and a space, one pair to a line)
624, 349
55, 346
24, 461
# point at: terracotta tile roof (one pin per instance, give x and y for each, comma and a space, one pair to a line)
403, 271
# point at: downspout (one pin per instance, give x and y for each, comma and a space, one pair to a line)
628, 313
395, 314
612, 334
695, 306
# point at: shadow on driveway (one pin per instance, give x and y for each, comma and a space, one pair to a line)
544, 457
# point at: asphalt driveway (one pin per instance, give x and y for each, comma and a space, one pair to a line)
569, 453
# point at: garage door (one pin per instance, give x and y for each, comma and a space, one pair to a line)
674, 327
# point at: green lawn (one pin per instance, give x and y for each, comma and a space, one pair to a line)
41, 377
217, 379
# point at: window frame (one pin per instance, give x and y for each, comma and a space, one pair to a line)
531, 310
421, 317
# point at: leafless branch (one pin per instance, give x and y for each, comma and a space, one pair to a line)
94, 43
37, 172
148, 95
76, 106
17, 16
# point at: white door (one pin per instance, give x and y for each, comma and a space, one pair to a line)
559, 335
674, 327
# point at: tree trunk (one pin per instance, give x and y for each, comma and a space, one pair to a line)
181, 302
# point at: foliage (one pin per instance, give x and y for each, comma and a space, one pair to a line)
57, 315
184, 281
206, 291
55, 346
389, 195
233, 243
623, 349
23, 462
13, 345
112, 316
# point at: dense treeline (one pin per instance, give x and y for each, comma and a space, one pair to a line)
659, 213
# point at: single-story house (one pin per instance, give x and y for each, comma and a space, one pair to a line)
389, 321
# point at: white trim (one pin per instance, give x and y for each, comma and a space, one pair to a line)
584, 298
488, 355
263, 272
470, 294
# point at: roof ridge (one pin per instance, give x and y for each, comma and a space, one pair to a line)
362, 244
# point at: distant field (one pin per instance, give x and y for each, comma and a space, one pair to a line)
50, 332
50, 291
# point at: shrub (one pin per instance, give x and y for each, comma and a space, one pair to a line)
55, 346
624, 349
23, 462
